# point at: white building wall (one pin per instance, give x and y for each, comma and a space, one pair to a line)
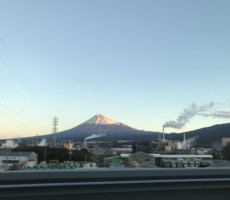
21, 159
27, 160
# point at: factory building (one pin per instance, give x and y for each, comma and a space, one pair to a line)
217, 145
17, 160
182, 161
171, 161
141, 159
121, 150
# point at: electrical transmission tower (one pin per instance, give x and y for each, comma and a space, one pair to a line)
55, 123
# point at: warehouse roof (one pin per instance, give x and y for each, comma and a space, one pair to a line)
173, 156
15, 153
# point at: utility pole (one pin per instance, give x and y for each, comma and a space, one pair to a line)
44, 153
55, 123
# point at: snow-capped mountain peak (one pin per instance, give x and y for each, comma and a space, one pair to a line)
101, 119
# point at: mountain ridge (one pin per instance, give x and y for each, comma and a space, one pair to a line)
112, 130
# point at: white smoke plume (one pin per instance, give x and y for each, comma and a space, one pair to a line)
10, 144
187, 115
94, 136
187, 143
42, 143
218, 114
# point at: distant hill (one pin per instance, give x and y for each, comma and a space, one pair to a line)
204, 135
100, 127
208, 134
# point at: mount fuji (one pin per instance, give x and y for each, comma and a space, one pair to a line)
106, 127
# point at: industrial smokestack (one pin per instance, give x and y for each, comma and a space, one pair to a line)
185, 142
163, 131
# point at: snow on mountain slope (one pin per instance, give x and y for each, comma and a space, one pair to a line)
101, 119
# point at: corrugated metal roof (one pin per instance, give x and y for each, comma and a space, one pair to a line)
183, 156
172, 156
15, 153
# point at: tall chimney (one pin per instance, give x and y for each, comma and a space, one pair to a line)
186, 142
159, 136
163, 134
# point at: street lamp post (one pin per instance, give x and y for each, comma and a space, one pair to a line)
45, 154
70, 154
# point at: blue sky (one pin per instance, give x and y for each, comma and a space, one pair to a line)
140, 62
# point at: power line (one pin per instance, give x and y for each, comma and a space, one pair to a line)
16, 105
19, 73
15, 69
19, 115
11, 105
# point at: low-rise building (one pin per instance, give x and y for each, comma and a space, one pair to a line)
171, 161
18, 159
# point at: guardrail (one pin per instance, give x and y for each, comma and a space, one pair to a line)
120, 184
